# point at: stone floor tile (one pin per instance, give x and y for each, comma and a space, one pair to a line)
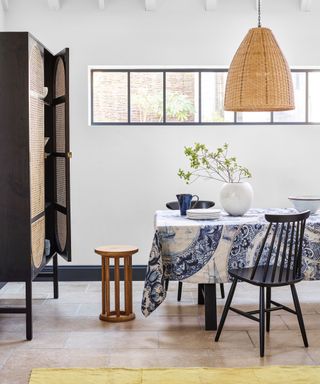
251, 357
286, 339
234, 323
136, 358
18, 366
111, 340
185, 339
311, 321
231, 340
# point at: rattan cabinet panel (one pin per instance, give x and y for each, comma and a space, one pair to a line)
60, 84
35, 156
37, 241
60, 117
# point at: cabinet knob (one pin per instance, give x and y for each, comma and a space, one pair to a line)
69, 155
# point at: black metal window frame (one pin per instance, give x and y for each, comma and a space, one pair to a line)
199, 71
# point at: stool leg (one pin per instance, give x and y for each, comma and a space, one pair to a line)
105, 280
126, 286
130, 283
117, 285
103, 284
107, 285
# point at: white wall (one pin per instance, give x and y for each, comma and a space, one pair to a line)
121, 175
2, 19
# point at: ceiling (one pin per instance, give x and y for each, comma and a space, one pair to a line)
151, 5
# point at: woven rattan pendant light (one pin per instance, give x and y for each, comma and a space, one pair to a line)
259, 78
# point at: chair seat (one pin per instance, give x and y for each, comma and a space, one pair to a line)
244, 274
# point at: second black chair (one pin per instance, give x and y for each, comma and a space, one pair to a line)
278, 263
200, 204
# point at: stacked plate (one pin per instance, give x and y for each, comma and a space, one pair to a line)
203, 214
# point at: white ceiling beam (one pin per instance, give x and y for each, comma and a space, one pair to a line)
305, 5
101, 4
150, 5
211, 5
54, 4
5, 4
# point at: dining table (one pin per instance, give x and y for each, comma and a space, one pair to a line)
202, 252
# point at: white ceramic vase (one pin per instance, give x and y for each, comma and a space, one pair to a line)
236, 198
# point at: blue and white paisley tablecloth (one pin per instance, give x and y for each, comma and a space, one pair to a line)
203, 251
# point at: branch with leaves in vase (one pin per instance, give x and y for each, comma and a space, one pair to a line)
236, 196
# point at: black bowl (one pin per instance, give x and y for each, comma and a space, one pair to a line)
201, 204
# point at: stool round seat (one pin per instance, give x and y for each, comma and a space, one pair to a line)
116, 252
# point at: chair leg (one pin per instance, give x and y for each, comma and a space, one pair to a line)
261, 321
222, 291
299, 314
179, 291
226, 309
268, 306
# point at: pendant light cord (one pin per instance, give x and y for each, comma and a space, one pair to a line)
259, 13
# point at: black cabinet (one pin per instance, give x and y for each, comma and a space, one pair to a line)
34, 162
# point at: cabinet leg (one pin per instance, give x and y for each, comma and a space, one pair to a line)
29, 310
55, 277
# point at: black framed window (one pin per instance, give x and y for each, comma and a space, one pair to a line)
185, 96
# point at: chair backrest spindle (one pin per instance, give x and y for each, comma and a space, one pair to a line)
275, 264
285, 245
296, 249
266, 267
260, 252
303, 225
290, 250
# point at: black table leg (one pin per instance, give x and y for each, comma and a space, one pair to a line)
210, 302
200, 294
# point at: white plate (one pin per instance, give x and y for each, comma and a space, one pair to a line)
206, 211
203, 218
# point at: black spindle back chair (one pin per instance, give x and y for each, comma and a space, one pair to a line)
278, 263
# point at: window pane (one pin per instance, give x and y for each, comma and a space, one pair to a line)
146, 92
314, 97
253, 117
299, 113
110, 97
182, 97
213, 86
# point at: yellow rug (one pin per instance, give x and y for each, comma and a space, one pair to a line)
263, 375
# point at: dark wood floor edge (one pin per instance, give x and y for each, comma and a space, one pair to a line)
91, 273
87, 273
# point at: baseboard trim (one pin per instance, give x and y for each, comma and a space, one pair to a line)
90, 273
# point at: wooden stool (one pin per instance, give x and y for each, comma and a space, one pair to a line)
116, 252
